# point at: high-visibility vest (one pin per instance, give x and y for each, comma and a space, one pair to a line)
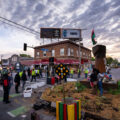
21, 74
38, 71
78, 70
71, 71
33, 72
86, 71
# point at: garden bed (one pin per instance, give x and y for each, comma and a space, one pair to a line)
107, 106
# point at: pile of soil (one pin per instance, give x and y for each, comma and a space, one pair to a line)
107, 106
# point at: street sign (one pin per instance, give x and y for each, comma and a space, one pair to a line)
62, 71
43, 49
50, 33
71, 33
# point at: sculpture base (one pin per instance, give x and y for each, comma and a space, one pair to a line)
100, 65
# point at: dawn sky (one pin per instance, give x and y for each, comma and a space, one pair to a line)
102, 15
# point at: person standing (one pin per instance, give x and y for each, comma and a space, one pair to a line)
33, 75
10, 80
6, 85
79, 72
100, 77
20, 73
71, 72
29, 73
86, 73
40, 72
24, 79
17, 82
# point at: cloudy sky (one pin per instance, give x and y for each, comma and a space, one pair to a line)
102, 15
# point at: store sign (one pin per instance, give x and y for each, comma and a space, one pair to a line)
50, 33
70, 33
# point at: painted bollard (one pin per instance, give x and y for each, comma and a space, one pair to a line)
68, 111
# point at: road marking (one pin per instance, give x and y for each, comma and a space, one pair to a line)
18, 111
11, 96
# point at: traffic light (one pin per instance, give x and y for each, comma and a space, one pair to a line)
25, 47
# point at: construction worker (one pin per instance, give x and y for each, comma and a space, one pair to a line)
79, 71
33, 75
86, 73
21, 72
71, 72
38, 73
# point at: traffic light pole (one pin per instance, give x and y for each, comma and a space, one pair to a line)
79, 50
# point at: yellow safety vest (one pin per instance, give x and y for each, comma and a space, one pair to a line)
71, 71
86, 71
33, 72
38, 71
20, 74
78, 70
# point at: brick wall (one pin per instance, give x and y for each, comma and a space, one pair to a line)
57, 48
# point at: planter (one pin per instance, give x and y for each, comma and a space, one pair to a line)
67, 111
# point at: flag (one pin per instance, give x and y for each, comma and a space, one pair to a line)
93, 37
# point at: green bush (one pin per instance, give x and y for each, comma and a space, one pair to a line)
114, 92
79, 86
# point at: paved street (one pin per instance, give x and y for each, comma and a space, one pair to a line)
115, 74
18, 107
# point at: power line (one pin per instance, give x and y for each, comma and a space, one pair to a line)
18, 25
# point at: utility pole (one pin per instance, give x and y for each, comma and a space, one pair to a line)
80, 50
80, 39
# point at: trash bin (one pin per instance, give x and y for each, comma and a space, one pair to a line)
52, 80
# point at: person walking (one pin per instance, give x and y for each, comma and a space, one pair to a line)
33, 75
17, 82
6, 85
24, 79
71, 72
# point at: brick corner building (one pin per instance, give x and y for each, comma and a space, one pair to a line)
66, 52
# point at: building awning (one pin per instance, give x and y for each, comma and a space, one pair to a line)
46, 62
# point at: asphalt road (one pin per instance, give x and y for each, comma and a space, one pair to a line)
19, 108
115, 74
